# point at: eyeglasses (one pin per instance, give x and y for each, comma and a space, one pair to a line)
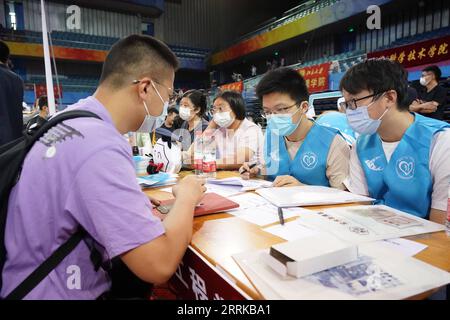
352, 104
284, 110
170, 91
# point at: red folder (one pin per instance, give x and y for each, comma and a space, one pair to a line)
210, 203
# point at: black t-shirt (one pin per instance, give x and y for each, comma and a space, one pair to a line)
171, 129
11, 97
438, 94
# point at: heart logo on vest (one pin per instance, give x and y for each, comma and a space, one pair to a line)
309, 160
405, 167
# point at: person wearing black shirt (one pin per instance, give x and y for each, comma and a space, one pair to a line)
168, 125
431, 97
11, 98
38, 120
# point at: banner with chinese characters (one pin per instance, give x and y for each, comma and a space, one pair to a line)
235, 86
41, 90
420, 53
316, 77
197, 279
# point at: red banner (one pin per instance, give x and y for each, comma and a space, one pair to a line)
235, 86
196, 279
316, 77
420, 53
41, 90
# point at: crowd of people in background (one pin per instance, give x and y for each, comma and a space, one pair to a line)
398, 153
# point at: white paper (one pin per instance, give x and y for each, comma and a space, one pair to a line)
309, 196
249, 200
290, 231
264, 215
404, 246
246, 185
223, 190
379, 273
359, 224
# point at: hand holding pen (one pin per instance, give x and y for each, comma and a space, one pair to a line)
249, 170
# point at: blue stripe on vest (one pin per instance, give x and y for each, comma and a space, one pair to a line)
405, 183
310, 163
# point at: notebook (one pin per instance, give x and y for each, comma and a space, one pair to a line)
309, 196
210, 203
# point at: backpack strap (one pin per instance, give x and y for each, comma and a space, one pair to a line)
46, 267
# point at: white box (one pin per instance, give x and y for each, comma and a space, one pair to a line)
310, 255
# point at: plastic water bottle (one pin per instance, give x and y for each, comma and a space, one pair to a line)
447, 223
198, 153
209, 156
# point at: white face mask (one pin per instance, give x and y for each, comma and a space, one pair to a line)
223, 119
423, 81
185, 113
150, 122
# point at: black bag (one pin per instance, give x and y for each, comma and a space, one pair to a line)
12, 156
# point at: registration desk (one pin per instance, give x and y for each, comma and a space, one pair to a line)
208, 270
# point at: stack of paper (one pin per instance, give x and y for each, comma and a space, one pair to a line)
157, 180
378, 273
359, 224
245, 185
309, 196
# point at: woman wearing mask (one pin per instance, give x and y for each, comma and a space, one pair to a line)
192, 109
238, 140
297, 151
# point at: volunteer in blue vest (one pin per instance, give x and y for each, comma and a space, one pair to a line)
338, 120
402, 159
297, 151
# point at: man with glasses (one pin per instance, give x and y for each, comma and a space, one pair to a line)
89, 181
402, 159
297, 151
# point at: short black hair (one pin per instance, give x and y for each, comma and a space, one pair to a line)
435, 69
283, 80
4, 52
172, 110
135, 56
378, 75
236, 102
43, 102
198, 99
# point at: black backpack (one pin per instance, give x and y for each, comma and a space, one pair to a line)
12, 156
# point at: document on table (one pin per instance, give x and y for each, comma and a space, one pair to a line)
222, 190
404, 246
358, 224
379, 273
309, 196
264, 215
290, 231
249, 200
246, 185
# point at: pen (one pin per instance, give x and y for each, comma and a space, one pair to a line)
280, 215
250, 167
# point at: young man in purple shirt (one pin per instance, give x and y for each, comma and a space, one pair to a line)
87, 178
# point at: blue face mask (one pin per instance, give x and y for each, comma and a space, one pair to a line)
360, 121
281, 124
150, 122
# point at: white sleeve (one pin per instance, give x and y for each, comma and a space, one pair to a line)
440, 169
356, 180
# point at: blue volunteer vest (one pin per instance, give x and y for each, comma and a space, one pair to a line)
338, 121
310, 162
405, 183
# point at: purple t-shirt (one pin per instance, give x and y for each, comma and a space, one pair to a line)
89, 181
